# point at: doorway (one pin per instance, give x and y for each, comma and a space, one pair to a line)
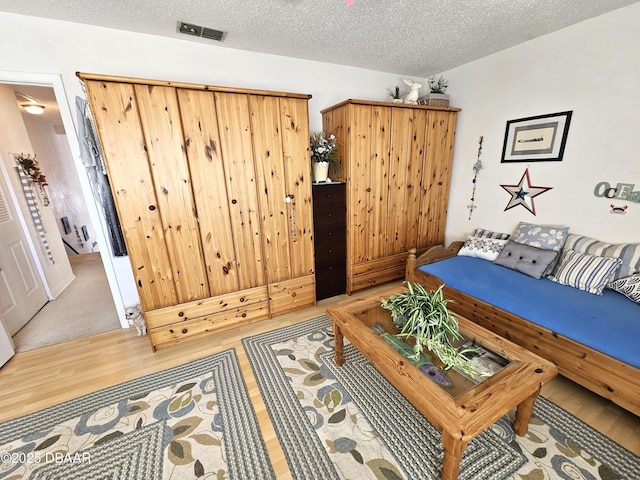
86, 236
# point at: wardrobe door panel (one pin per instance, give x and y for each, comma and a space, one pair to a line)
271, 180
401, 128
202, 142
116, 117
359, 184
160, 116
294, 118
377, 224
236, 145
436, 177
413, 191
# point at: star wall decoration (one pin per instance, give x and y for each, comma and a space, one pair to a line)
523, 193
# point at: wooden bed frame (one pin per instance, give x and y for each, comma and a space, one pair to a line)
600, 373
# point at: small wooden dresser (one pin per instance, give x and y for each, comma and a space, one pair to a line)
329, 228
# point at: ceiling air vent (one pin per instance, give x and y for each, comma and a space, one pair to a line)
198, 31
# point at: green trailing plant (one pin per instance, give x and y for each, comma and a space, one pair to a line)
423, 315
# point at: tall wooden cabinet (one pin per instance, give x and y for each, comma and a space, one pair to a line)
396, 161
213, 191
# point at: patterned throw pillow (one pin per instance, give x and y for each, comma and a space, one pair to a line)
481, 232
585, 272
482, 247
548, 237
628, 286
629, 253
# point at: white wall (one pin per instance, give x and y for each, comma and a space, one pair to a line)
593, 69
63, 48
64, 191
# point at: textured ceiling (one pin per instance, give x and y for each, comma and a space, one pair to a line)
407, 37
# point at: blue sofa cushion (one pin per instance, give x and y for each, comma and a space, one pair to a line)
609, 323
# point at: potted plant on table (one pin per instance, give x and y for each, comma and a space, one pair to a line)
437, 95
423, 315
323, 147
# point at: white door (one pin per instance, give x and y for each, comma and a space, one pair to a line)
7, 348
21, 291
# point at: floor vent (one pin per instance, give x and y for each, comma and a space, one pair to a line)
203, 32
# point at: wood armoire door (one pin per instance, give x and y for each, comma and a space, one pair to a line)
213, 192
396, 161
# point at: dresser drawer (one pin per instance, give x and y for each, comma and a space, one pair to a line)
330, 234
331, 252
331, 282
329, 204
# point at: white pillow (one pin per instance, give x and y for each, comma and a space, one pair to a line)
482, 247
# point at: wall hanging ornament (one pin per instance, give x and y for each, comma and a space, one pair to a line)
618, 209
31, 169
523, 193
476, 169
26, 181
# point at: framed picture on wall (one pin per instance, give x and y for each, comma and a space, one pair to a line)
536, 139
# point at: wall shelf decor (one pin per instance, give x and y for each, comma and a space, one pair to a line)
536, 139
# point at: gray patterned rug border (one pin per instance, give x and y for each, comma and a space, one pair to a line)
306, 456
246, 452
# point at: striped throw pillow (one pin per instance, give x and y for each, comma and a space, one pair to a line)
481, 232
585, 272
629, 253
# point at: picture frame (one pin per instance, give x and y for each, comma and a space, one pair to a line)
536, 139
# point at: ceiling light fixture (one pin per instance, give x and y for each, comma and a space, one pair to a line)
33, 108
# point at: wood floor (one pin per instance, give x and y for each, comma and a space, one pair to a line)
36, 379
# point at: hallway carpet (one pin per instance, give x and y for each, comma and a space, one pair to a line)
84, 308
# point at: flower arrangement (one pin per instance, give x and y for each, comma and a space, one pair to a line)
31, 168
439, 85
323, 148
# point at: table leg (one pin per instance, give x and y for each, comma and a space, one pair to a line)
453, 450
339, 344
523, 415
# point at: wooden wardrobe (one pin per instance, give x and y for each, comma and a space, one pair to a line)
213, 191
396, 161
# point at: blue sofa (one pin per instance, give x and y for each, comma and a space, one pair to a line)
593, 339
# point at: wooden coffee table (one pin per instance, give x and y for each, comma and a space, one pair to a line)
462, 411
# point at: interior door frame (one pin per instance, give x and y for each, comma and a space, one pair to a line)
55, 81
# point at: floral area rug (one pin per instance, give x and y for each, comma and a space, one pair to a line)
349, 423
192, 421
